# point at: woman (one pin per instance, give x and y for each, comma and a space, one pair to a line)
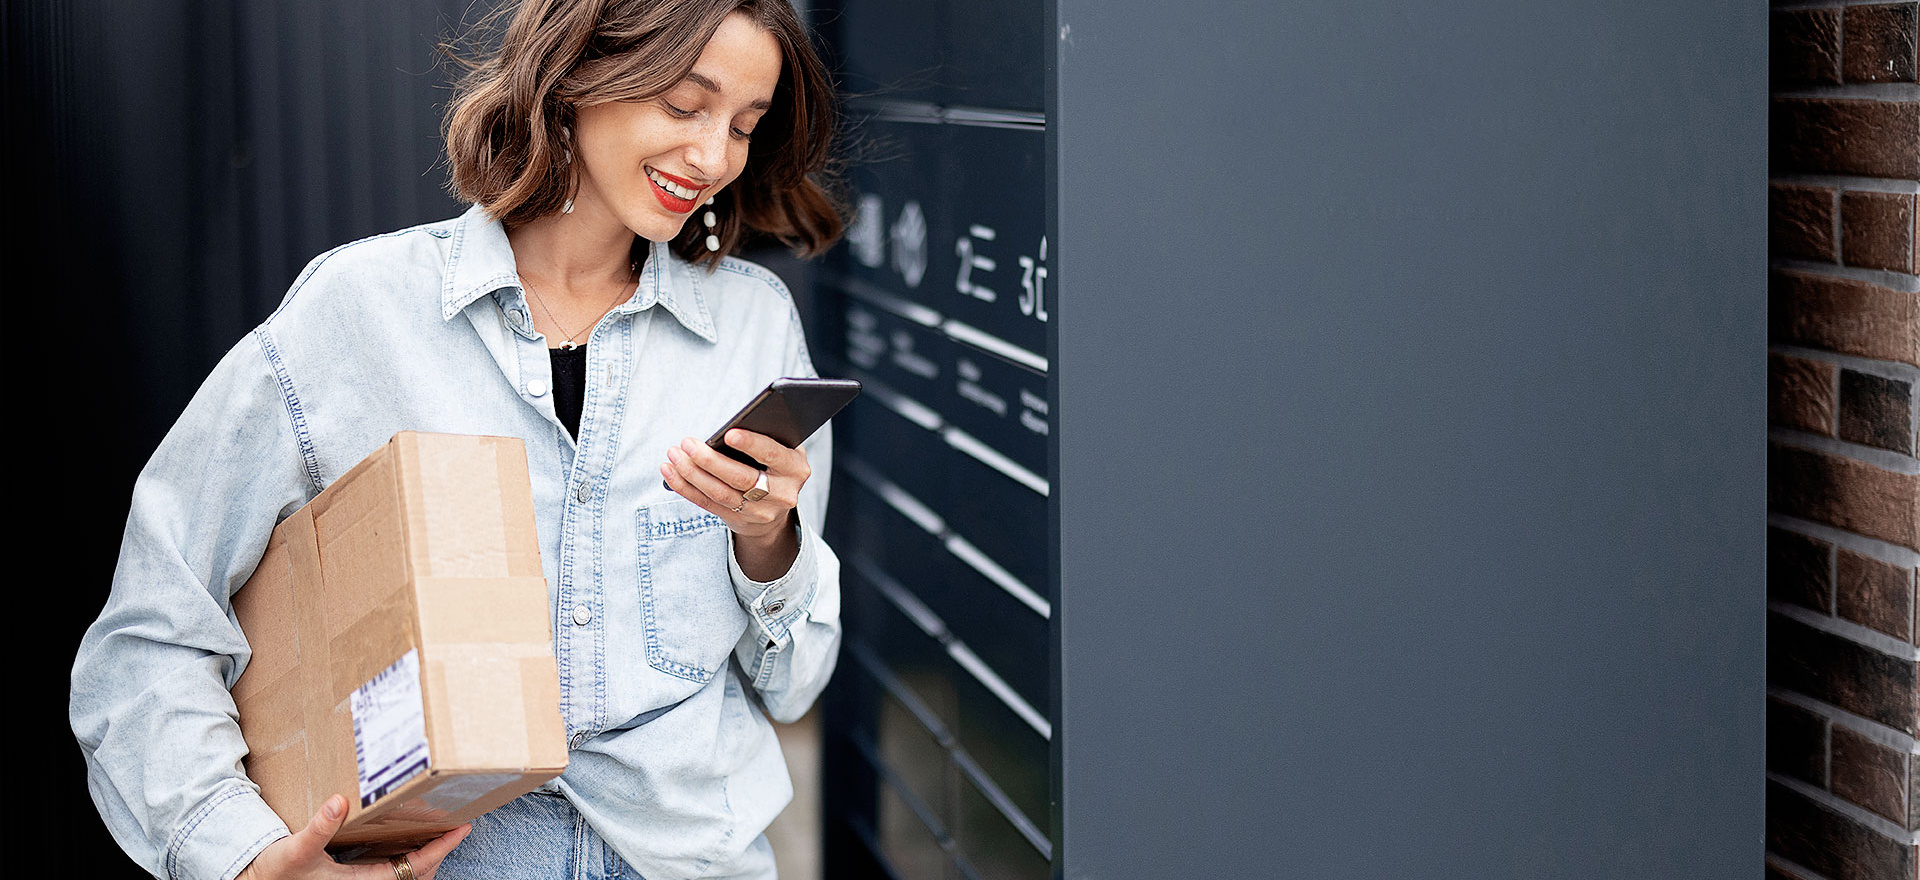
615, 151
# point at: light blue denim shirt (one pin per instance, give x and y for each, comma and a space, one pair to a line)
658, 633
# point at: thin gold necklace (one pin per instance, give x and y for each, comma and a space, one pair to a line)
633, 277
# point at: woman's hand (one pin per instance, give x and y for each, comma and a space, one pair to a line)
304, 854
764, 540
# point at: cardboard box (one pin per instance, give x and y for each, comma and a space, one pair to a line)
402, 646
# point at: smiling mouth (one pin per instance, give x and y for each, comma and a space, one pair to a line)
677, 194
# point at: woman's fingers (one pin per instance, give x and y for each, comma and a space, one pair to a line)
304, 854
739, 476
426, 860
718, 484
787, 469
780, 460
688, 472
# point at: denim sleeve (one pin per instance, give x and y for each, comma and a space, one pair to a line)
150, 703
793, 637
793, 641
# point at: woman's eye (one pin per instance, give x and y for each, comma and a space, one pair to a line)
743, 135
675, 111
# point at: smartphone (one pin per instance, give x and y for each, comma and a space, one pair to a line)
788, 410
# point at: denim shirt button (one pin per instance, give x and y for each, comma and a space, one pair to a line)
584, 493
776, 606
537, 387
582, 615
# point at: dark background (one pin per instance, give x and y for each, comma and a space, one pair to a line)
172, 166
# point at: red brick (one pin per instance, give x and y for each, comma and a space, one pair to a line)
1800, 394
1845, 493
1796, 742
1874, 594
1876, 411
1800, 222
1775, 871
1842, 314
1876, 230
1869, 774
1800, 570
1805, 47
1835, 846
1913, 792
1846, 136
1879, 43
1841, 672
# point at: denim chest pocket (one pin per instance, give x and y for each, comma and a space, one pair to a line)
692, 619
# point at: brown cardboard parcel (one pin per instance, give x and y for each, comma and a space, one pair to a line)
401, 646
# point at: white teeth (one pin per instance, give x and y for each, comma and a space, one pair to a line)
677, 190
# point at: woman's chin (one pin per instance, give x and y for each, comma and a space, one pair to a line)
656, 228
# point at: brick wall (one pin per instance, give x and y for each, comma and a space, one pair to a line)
1843, 704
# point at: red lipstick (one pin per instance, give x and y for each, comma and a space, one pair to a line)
670, 201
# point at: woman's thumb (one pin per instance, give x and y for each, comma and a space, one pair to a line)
326, 823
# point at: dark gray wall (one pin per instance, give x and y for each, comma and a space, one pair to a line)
1410, 438
175, 163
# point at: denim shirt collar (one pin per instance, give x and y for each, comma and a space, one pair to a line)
480, 262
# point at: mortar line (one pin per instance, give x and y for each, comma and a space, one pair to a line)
1851, 182
1872, 548
1865, 637
1884, 459
1839, 231
1883, 369
1892, 738
1826, 753
1793, 868
1890, 92
1899, 281
1860, 815
1833, 579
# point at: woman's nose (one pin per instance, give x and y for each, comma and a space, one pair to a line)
707, 154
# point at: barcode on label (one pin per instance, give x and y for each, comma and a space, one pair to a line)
389, 728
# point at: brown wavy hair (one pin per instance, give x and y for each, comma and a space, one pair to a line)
504, 126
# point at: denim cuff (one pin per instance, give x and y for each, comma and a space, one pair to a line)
219, 837
775, 605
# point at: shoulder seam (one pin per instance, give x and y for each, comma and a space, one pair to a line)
756, 271
314, 266
296, 417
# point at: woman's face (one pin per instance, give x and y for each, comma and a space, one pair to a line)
649, 164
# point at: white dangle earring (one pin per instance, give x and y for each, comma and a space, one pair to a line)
713, 241
566, 158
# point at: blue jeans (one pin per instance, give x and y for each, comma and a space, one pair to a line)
540, 836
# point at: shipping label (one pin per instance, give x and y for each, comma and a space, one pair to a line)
389, 728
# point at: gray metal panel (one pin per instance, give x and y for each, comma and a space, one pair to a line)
1410, 438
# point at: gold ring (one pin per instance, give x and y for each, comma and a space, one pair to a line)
402, 869
758, 491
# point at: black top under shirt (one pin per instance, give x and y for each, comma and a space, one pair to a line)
569, 385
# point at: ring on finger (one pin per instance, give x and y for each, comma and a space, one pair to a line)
402, 869
758, 491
